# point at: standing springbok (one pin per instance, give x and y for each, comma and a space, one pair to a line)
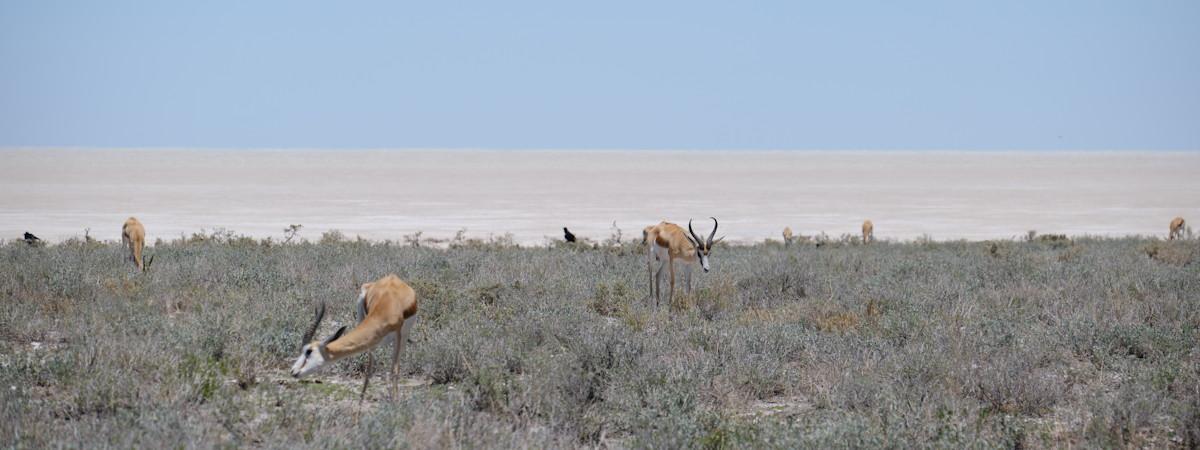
666, 243
133, 236
387, 310
787, 236
868, 231
1176, 228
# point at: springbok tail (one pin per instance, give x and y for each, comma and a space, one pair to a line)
405, 329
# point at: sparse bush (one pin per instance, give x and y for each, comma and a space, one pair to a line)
1011, 382
332, 237
1179, 253
414, 239
609, 300
614, 237
290, 232
712, 302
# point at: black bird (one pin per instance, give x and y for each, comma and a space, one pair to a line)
30, 238
567, 235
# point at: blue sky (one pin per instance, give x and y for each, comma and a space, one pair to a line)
677, 75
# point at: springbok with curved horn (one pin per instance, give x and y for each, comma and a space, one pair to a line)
133, 236
387, 310
667, 242
1176, 228
868, 231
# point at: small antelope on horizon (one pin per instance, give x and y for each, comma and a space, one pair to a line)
133, 236
1176, 228
387, 310
868, 231
787, 236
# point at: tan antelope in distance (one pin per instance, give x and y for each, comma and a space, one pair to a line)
1176, 228
787, 236
667, 243
387, 310
868, 231
133, 236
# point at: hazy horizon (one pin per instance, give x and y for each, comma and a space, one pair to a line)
567, 149
387, 194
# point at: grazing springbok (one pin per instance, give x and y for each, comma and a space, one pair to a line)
133, 236
1176, 228
868, 231
668, 242
387, 310
787, 236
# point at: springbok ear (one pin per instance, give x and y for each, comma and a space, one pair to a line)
718, 240
337, 334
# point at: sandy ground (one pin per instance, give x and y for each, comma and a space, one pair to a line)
386, 194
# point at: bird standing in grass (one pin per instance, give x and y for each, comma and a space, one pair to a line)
568, 235
31, 239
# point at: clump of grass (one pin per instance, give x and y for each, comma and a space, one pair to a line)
610, 299
1177, 253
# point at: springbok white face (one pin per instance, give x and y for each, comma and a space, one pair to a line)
704, 246
311, 359
313, 355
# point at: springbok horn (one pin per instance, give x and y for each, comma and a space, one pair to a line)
695, 239
710, 235
312, 330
